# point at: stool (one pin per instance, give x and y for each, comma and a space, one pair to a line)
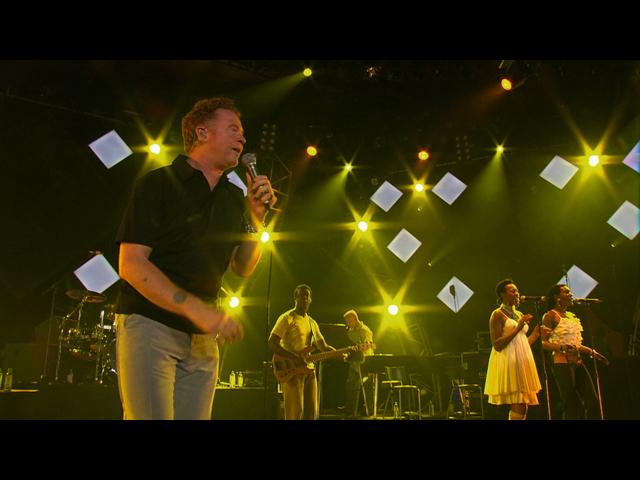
396, 384
466, 393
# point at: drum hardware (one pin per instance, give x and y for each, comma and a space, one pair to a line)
88, 343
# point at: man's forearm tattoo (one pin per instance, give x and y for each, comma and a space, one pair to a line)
179, 297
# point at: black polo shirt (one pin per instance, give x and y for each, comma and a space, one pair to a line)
191, 229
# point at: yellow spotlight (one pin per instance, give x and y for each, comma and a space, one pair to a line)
348, 167
265, 237
500, 149
506, 84
363, 226
307, 72
423, 155
312, 151
594, 160
234, 302
154, 148
393, 309
419, 187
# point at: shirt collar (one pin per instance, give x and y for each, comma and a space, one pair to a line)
184, 171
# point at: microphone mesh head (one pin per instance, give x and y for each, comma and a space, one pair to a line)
248, 159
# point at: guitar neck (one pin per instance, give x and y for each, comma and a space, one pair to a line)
331, 353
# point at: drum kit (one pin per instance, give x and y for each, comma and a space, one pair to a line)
89, 343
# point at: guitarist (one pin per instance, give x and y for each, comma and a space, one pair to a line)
358, 333
294, 332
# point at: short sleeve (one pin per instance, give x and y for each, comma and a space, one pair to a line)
316, 330
281, 326
143, 216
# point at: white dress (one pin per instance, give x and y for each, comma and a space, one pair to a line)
512, 376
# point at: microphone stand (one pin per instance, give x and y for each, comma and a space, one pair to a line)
54, 289
544, 360
267, 392
595, 366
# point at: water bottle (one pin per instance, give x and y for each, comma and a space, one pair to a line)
432, 410
70, 376
396, 410
240, 379
232, 379
8, 380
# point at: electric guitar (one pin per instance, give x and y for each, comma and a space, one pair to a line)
285, 368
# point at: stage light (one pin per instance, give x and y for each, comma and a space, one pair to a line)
154, 148
372, 71
97, 274
110, 149
419, 187
234, 302
423, 155
307, 72
404, 245
626, 220
312, 151
455, 294
449, 188
393, 309
580, 282
348, 167
268, 137
558, 172
500, 149
512, 74
265, 237
363, 226
386, 196
594, 160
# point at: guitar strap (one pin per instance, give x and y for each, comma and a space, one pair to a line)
312, 338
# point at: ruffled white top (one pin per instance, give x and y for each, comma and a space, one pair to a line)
568, 331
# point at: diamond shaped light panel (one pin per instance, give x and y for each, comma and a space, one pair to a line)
580, 283
633, 159
97, 274
626, 220
449, 188
558, 172
110, 149
455, 294
386, 196
404, 245
237, 181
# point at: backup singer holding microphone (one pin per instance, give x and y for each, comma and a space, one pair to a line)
512, 377
577, 392
184, 226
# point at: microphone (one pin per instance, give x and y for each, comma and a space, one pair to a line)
587, 300
452, 289
249, 161
532, 298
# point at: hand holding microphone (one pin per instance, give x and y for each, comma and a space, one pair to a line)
260, 194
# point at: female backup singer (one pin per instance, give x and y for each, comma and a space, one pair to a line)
575, 385
512, 378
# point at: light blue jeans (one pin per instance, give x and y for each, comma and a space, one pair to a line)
163, 373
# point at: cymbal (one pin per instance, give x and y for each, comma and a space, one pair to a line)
87, 295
